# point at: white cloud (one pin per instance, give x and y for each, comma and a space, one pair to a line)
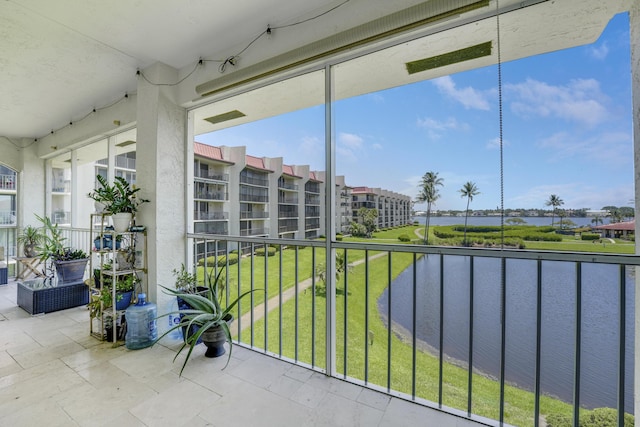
604, 149
436, 128
350, 140
581, 100
349, 146
311, 146
469, 97
377, 146
599, 52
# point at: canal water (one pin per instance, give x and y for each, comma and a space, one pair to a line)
599, 326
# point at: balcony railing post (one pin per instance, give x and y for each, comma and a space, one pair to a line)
538, 373
366, 316
470, 364
578, 340
622, 344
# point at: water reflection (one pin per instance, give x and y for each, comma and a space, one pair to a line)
600, 314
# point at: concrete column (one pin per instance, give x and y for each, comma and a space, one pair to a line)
31, 192
634, 31
160, 173
75, 202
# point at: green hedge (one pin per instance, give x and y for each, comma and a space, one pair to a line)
599, 417
220, 261
404, 238
590, 236
491, 232
261, 251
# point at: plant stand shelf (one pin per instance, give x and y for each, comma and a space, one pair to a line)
44, 295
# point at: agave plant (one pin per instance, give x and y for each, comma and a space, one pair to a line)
206, 313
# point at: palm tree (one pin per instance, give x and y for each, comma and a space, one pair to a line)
429, 193
597, 219
554, 201
468, 190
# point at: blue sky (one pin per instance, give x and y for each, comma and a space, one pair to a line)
567, 130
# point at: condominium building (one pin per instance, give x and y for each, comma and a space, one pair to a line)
394, 209
239, 194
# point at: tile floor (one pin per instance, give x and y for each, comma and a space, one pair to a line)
52, 373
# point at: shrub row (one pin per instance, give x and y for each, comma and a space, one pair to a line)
219, 261
590, 236
530, 233
271, 251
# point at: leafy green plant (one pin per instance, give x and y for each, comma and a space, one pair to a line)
268, 252
119, 197
206, 312
185, 281
52, 244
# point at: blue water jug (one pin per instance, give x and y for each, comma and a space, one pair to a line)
141, 324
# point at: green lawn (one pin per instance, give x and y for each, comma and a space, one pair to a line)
620, 247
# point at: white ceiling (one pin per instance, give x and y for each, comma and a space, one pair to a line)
61, 59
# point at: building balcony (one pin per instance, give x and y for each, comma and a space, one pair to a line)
259, 182
211, 176
501, 314
287, 228
211, 227
61, 187
254, 215
83, 372
254, 198
506, 316
286, 214
7, 182
211, 195
208, 216
288, 186
8, 218
288, 200
312, 200
262, 231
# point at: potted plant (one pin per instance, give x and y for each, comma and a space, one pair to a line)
208, 316
69, 263
186, 283
30, 237
120, 200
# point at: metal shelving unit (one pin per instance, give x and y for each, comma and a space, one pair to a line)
125, 257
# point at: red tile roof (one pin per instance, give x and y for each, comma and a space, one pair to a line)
208, 151
623, 226
314, 177
256, 163
361, 190
288, 170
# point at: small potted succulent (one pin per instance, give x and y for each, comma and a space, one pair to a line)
30, 237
